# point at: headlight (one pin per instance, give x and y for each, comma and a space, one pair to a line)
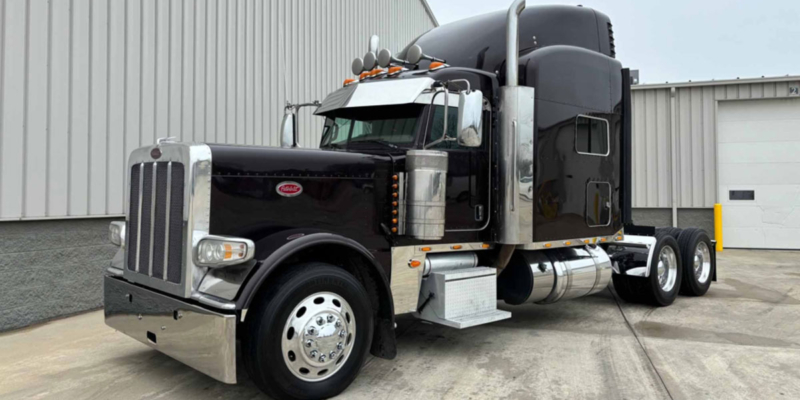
219, 251
116, 233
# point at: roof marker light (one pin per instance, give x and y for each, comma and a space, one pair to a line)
436, 66
349, 81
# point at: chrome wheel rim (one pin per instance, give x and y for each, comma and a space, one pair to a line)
318, 336
702, 262
667, 268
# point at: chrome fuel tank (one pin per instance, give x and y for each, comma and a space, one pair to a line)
548, 276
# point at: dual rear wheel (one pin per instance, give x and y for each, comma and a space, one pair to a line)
681, 263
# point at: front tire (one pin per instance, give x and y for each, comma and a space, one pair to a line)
308, 335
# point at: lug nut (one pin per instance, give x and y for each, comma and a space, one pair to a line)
322, 358
340, 346
342, 333
338, 324
330, 318
320, 321
309, 343
333, 355
311, 330
313, 353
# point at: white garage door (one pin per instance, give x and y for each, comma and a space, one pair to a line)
759, 173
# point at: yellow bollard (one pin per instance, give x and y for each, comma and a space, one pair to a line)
718, 225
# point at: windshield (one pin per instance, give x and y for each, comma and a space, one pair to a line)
393, 128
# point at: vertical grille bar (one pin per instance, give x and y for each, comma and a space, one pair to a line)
166, 220
153, 192
160, 219
146, 220
176, 228
133, 217
142, 174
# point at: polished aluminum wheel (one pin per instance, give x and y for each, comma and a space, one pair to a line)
667, 268
702, 262
318, 336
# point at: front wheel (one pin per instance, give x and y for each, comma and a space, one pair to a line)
309, 334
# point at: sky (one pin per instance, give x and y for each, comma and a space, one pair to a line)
683, 40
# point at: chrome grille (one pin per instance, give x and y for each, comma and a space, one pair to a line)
155, 239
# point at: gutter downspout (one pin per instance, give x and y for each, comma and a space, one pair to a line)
673, 133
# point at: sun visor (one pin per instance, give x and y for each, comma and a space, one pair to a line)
375, 93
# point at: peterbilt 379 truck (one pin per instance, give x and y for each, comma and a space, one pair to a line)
495, 165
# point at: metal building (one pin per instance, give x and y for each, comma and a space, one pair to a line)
734, 142
83, 83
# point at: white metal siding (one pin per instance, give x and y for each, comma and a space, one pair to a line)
695, 120
83, 83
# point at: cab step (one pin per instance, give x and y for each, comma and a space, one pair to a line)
460, 298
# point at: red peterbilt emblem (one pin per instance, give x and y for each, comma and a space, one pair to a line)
289, 189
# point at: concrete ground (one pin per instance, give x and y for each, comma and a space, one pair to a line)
740, 341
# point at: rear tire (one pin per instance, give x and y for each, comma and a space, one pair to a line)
697, 263
294, 347
661, 287
671, 231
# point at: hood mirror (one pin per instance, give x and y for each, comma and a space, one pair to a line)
288, 129
470, 117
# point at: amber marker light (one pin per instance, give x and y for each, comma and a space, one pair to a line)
486, 245
414, 263
567, 243
395, 177
456, 247
395, 70
394, 230
426, 249
619, 237
603, 240
394, 186
394, 203
363, 75
394, 212
394, 195
548, 245
586, 241
348, 81
435, 65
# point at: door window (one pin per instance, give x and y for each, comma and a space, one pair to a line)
591, 136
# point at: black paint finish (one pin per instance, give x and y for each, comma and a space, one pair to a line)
479, 42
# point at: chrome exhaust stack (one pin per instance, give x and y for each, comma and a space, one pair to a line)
516, 144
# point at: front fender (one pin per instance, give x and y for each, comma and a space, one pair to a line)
273, 250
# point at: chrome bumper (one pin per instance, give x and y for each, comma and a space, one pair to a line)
202, 339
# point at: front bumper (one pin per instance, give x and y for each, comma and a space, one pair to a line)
202, 339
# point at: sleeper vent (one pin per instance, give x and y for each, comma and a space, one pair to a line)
612, 48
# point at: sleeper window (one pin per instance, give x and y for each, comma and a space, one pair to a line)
591, 136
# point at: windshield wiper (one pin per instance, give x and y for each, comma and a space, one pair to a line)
378, 141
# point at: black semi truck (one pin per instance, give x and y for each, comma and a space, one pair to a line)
495, 165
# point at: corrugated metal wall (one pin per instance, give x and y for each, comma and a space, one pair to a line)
82, 83
695, 120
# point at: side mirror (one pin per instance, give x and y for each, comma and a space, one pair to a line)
470, 118
288, 128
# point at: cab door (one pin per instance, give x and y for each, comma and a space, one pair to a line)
468, 174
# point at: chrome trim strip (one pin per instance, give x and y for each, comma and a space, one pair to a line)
139, 220
213, 302
153, 189
401, 203
166, 225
